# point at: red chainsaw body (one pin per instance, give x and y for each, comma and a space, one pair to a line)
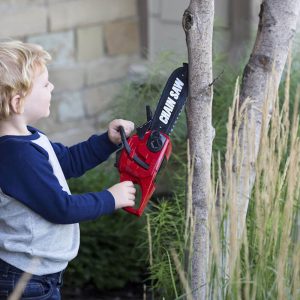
132, 171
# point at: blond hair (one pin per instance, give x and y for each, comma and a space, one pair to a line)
18, 63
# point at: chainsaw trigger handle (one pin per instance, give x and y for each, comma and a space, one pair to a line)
124, 140
147, 189
128, 149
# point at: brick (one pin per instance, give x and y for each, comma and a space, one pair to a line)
172, 10
103, 119
98, 100
55, 1
51, 123
19, 3
73, 132
138, 72
166, 37
67, 78
70, 107
60, 45
84, 12
154, 7
255, 8
23, 22
122, 37
221, 40
221, 14
107, 69
90, 44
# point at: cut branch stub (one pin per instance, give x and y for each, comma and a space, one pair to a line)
187, 20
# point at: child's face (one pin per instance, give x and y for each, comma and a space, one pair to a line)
37, 102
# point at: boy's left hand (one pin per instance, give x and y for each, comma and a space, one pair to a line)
113, 130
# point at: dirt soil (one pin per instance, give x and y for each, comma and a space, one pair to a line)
130, 292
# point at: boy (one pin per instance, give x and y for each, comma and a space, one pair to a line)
38, 215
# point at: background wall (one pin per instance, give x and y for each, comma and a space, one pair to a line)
165, 29
92, 42
235, 27
96, 44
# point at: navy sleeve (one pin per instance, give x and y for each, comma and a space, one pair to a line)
78, 159
27, 176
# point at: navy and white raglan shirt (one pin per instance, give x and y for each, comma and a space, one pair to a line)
38, 215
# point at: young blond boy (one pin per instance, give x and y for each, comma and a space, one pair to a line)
38, 215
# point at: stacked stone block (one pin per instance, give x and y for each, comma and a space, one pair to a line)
165, 27
92, 43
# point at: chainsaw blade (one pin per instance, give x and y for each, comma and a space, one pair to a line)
172, 101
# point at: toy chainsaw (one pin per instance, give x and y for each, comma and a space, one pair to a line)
143, 153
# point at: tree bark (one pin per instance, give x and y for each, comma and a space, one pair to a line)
198, 26
261, 78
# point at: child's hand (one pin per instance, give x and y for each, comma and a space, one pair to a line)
113, 130
124, 194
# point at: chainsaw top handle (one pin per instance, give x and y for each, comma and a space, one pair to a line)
128, 149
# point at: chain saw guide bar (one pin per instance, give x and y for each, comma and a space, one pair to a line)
143, 153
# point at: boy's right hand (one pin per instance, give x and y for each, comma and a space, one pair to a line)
124, 194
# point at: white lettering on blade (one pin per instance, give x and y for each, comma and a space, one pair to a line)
170, 103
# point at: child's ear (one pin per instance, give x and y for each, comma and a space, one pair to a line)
16, 104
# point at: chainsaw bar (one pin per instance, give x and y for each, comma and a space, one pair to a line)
172, 101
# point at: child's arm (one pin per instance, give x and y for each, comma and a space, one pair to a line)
78, 159
29, 179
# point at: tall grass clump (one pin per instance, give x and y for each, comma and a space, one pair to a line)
264, 263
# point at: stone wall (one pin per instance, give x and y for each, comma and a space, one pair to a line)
235, 27
165, 29
92, 42
166, 33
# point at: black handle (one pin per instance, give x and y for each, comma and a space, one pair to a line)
128, 149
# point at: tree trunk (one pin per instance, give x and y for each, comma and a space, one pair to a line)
261, 78
198, 26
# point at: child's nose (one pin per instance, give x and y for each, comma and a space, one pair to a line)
51, 87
